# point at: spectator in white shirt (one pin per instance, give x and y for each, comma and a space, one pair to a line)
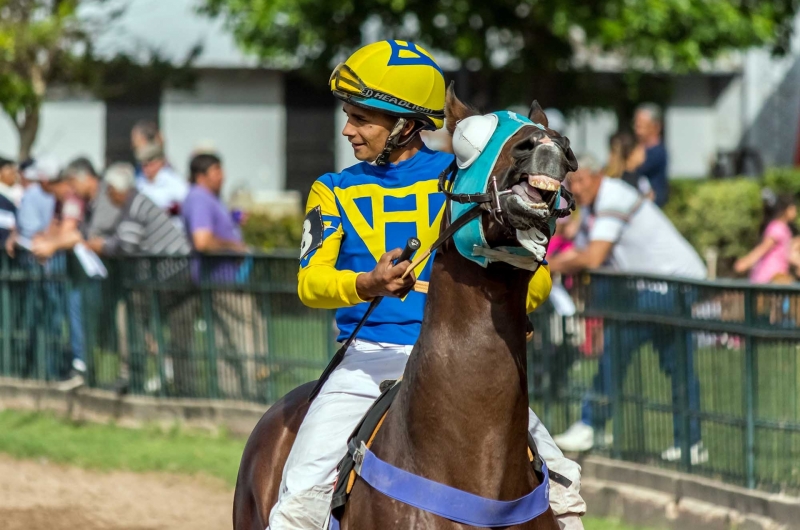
161, 184
627, 232
624, 230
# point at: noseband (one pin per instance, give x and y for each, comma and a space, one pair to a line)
492, 197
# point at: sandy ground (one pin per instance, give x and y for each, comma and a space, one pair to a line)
38, 495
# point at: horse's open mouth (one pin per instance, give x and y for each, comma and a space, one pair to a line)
538, 192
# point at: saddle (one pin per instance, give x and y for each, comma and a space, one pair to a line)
364, 434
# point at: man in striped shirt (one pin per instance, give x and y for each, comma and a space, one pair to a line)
143, 227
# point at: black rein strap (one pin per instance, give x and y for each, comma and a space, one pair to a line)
448, 176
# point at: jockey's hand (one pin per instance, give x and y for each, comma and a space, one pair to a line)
386, 279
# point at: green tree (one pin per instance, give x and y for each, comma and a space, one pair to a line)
44, 43
525, 37
40, 41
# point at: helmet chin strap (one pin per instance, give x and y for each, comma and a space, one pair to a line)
393, 141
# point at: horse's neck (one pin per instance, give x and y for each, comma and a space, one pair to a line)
464, 401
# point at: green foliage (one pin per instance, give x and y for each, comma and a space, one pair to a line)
106, 447
265, 233
783, 181
521, 35
679, 34
34, 35
723, 214
46, 42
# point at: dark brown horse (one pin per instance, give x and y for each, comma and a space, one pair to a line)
461, 416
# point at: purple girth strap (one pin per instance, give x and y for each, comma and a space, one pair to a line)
447, 502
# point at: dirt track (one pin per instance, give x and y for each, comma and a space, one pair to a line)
46, 496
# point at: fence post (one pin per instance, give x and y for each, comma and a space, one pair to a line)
749, 393
682, 373
271, 392
682, 298
6, 295
617, 381
332, 345
208, 315
158, 330
547, 369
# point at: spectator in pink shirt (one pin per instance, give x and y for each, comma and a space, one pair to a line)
771, 257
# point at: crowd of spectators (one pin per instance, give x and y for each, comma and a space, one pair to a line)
47, 208
620, 226
152, 209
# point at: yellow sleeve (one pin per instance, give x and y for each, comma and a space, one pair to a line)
539, 288
320, 285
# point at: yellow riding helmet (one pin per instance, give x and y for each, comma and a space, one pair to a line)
395, 77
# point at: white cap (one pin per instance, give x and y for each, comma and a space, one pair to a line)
44, 169
120, 176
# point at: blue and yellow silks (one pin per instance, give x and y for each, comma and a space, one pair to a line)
367, 211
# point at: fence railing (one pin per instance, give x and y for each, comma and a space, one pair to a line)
651, 363
216, 327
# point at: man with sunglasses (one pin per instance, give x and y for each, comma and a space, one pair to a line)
356, 223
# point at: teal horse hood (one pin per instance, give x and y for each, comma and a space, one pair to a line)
477, 143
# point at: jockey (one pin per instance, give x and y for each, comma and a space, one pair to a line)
356, 224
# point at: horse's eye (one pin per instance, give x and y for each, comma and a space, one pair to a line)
524, 147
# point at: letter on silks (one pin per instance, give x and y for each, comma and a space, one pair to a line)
313, 230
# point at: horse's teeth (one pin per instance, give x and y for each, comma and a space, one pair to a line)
543, 183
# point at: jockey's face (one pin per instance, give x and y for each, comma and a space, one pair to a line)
367, 131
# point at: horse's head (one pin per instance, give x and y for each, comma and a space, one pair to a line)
521, 163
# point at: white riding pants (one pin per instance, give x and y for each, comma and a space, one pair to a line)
307, 483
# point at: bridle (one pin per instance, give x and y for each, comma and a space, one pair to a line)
492, 197
486, 202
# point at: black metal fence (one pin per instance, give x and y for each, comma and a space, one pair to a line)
216, 327
653, 364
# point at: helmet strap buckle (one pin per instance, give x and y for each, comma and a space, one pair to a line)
395, 142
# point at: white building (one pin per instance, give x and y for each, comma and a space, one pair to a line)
277, 132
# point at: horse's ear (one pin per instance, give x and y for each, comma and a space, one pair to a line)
455, 110
537, 115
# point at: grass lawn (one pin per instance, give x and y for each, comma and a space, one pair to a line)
646, 420
594, 523
107, 447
